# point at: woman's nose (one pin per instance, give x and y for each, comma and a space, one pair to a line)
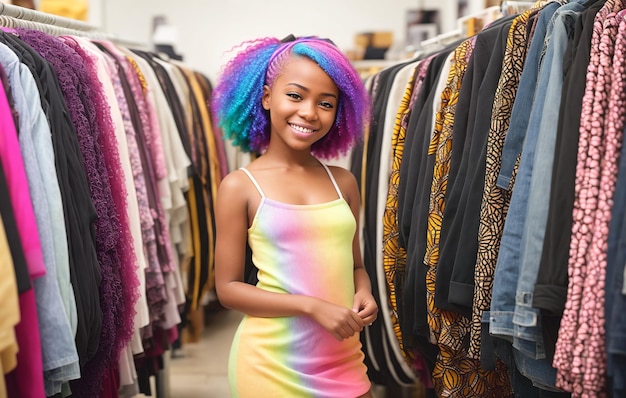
308, 110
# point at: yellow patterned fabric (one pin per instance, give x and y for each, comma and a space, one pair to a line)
446, 327
495, 200
457, 375
394, 256
441, 147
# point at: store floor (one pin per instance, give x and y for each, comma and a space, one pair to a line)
199, 370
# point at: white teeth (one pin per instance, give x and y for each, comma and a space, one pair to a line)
301, 129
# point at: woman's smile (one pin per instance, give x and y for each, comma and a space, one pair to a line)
302, 129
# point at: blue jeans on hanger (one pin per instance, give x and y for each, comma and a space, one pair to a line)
545, 125
525, 327
502, 308
527, 320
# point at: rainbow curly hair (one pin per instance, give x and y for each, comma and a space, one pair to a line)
236, 99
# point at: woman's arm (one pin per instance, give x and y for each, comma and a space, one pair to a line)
231, 213
364, 303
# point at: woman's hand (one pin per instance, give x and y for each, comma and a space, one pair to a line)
339, 321
365, 307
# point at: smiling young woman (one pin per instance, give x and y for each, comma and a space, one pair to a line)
295, 102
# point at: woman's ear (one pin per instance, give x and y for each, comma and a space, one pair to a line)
265, 100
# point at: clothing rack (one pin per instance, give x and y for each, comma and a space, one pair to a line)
27, 14
12, 16
443, 39
506, 7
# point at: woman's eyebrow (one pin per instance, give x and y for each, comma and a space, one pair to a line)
303, 88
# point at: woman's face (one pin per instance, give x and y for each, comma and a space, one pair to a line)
302, 102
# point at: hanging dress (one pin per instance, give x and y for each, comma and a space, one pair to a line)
304, 250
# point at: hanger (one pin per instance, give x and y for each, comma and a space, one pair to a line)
482, 13
19, 17
510, 7
13, 22
27, 14
442, 40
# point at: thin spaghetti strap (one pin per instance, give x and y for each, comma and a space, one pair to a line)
256, 184
332, 178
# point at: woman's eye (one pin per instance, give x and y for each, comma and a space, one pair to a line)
294, 95
327, 105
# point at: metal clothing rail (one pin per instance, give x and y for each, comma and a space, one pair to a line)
26, 14
13, 22
19, 17
506, 7
443, 39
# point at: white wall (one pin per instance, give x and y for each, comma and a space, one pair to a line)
208, 29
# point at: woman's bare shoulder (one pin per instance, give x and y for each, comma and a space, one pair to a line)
236, 179
236, 186
342, 175
347, 182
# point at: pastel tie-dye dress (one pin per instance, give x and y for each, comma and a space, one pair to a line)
307, 250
